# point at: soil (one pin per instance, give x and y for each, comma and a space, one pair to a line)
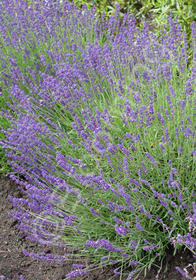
14, 263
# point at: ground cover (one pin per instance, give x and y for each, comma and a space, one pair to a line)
102, 126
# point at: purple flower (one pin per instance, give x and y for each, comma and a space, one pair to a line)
168, 99
145, 212
189, 120
161, 118
138, 226
182, 104
77, 272
133, 181
100, 201
172, 91
131, 274
164, 203
182, 272
121, 230
135, 190
78, 265
124, 255
148, 248
145, 182
151, 159
102, 242
180, 198
162, 147
176, 132
133, 263
116, 271
144, 167
134, 244
180, 149
118, 221
94, 212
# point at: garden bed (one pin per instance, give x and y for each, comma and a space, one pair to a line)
14, 263
161, 192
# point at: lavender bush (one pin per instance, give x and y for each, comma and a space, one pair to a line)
102, 127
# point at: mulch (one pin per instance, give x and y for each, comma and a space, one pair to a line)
14, 263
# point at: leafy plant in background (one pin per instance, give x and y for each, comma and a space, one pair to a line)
102, 129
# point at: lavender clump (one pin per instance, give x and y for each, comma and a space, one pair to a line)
102, 130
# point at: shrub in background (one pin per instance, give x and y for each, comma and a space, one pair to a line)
103, 130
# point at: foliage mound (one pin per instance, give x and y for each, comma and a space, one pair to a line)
100, 122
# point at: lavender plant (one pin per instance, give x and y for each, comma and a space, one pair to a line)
102, 127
